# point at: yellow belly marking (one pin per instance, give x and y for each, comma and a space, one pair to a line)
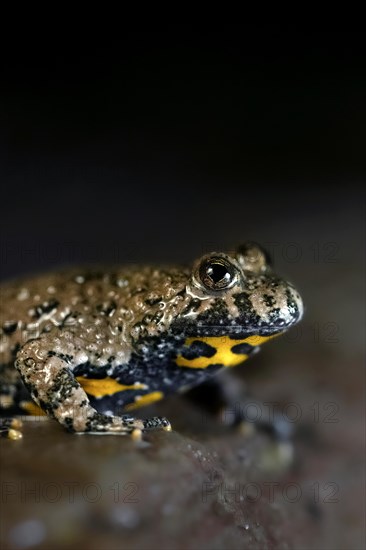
143, 400
224, 355
105, 386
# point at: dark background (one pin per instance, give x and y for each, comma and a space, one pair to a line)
163, 145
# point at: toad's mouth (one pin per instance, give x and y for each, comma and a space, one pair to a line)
243, 331
236, 332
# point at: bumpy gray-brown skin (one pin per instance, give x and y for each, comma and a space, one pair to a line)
130, 325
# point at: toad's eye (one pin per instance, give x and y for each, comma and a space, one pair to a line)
217, 273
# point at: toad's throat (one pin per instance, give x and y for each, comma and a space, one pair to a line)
202, 352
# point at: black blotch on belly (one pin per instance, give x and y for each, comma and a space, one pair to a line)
242, 349
198, 349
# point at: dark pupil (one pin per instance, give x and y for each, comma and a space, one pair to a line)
218, 273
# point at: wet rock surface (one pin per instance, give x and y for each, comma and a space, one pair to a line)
169, 491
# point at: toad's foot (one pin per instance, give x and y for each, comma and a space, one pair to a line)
126, 424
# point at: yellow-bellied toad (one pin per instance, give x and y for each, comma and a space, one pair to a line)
90, 346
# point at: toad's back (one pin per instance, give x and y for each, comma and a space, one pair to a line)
82, 300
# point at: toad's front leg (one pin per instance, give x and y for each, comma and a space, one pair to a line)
53, 386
